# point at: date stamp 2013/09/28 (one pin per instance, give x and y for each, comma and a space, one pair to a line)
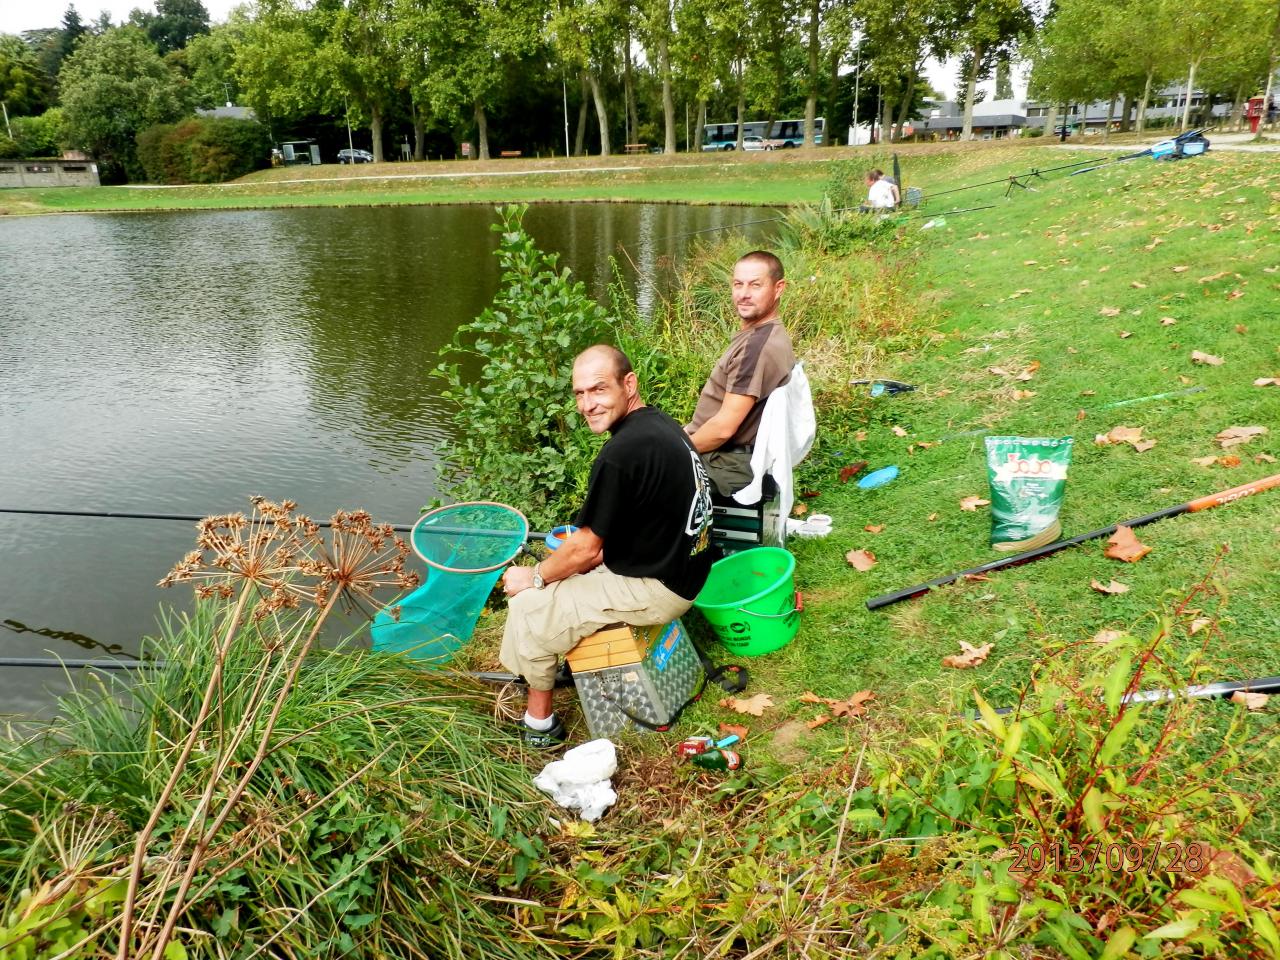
1156, 856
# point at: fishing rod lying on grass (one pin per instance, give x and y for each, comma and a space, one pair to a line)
1191, 506
563, 679
399, 528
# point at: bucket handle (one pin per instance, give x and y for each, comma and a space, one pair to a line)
799, 606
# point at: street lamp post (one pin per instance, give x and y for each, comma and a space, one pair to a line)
857, 78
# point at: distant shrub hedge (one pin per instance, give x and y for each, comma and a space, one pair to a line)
203, 150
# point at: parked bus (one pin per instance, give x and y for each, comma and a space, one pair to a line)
785, 134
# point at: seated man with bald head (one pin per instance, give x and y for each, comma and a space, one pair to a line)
642, 549
758, 361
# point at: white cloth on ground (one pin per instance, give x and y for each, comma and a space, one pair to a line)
787, 429
580, 779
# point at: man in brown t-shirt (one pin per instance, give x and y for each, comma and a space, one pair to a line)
759, 359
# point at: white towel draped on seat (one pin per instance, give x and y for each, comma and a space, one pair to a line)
787, 430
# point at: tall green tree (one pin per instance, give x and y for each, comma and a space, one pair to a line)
210, 60
585, 35
25, 88
1199, 30
981, 32
465, 48
658, 30
113, 86
177, 23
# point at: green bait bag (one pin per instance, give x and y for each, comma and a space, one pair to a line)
1028, 478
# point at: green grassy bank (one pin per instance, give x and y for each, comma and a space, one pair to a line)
781, 177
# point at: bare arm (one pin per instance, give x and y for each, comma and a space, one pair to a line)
717, 431
580, 552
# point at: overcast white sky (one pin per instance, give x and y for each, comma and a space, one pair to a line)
19, 15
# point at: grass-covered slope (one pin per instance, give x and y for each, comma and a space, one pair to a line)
1082, 277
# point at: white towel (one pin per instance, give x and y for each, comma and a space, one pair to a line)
787, 429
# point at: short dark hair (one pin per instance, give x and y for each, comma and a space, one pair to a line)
770, 261
621, 362
874, 174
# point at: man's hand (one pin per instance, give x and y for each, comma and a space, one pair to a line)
515, 579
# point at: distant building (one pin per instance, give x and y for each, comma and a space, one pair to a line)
230, 111
48, 173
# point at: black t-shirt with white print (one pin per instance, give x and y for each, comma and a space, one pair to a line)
649, 499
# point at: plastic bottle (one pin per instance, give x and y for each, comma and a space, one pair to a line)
717, 760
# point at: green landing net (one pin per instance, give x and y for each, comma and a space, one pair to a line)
465, 547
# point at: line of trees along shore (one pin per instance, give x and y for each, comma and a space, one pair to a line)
529, 74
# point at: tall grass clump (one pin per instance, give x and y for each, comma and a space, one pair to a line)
251, 795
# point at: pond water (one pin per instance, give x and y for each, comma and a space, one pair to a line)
178, 363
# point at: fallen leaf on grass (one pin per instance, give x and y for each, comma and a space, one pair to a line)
799, 510
1264, 458
728, 729
853, 707
818, 721
1029, 263
1267, 382
1251, 700
1123, 545
852, 470
932, 517
1080, 414
1138, 285
1213, 277
1181, 269
810, 697
873, 527
1023, 394
1229, 460
861, 560
977, 578
971, 504
969, 656
1114, 587
1110, 311
1103, 637
1208, 461
755, 706
1167, 321
899, 431
1236, 294
1199, 623
1208, 359
1125, 334
1234, 436
1129, 435
860, 435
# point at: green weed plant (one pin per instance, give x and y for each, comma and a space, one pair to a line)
519, 437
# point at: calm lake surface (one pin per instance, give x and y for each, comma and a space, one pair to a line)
178, 363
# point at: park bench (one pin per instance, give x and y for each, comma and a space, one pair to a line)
636, 148
510, 153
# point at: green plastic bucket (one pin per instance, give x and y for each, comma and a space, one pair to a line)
751, 602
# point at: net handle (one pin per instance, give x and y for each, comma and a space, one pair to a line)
524, 535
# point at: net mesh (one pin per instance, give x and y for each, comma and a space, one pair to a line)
465, 546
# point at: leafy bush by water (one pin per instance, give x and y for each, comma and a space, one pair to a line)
519, 438
203, 150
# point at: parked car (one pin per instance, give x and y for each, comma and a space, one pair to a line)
760, 143
354, 156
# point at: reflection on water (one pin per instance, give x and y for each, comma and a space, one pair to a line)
177, 363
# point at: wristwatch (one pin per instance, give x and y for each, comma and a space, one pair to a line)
538, 582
